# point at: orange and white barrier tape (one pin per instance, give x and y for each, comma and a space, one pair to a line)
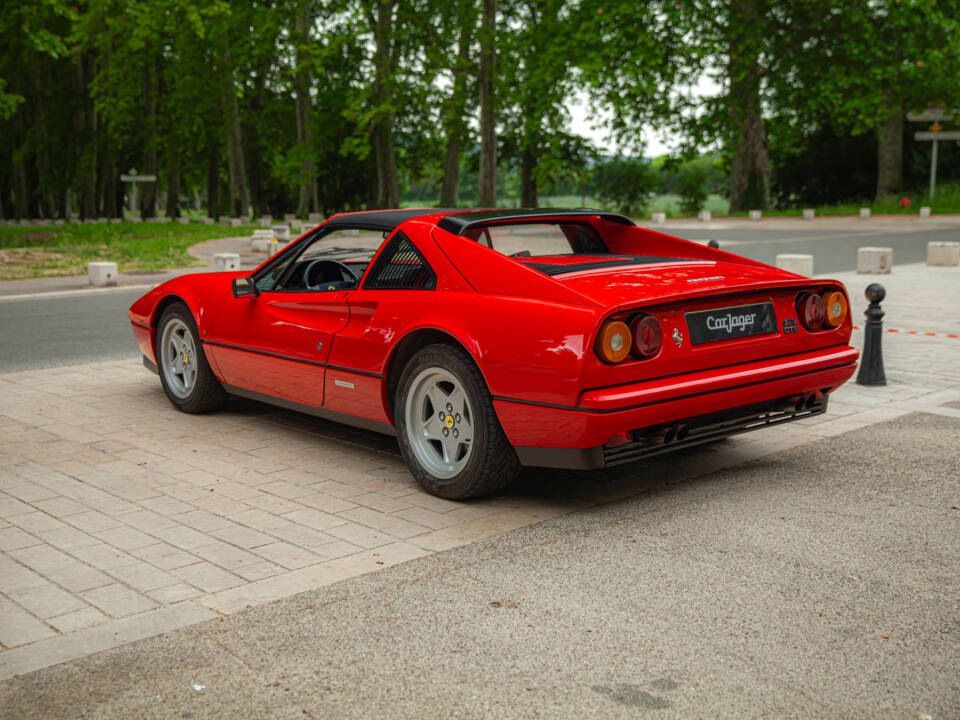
955, 336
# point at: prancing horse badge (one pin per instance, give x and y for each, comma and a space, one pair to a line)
677, 337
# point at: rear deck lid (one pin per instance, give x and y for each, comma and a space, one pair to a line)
632, 280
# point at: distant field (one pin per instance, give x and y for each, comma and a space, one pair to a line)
27, 252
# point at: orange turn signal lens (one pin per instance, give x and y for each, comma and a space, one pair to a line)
835, 307
614, 342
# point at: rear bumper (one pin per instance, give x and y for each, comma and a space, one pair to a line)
739, 398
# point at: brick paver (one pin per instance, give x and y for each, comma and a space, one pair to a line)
116, 511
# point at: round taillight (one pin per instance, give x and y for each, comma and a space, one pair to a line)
614, 342
835, 307
647, 336
811, 311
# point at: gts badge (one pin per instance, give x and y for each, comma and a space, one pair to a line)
677, 337
790, 326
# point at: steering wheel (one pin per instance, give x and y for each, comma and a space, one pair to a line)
344, 271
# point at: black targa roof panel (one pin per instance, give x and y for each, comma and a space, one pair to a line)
458, 222
385, 220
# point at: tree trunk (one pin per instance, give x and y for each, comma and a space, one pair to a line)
388, 188
528, 183
749, 164
488, 138
213, 180
456, 110
173, 183
238, 174
890, 155
85, 125
148, 190
301, 86
21, 197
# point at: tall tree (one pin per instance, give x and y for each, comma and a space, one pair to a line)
464, 17
488, 137
301, 33
866, 64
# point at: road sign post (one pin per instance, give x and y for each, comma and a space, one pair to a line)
936, 116
133, 178
935, 136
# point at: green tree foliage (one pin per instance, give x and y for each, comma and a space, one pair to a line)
318, 106
625, 183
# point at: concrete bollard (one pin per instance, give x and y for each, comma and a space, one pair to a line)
756, 215
864, 213
207, 221
183, 220
289, 217
924, 212
658, 217
226, 261
281, 232
796, 263
876, 260
102, 273
809, 213
261, 240
315, 218
871, 359
236, 222
943, 253
704, 216
265, 220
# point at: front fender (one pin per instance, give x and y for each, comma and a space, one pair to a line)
200, 292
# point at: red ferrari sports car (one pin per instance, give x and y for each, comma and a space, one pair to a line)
486, 340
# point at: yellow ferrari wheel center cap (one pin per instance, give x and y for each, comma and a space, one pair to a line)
448, 421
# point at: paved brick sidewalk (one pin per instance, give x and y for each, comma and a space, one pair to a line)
121, 518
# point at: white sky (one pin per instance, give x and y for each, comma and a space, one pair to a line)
583, 122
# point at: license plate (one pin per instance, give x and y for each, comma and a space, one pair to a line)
731, 322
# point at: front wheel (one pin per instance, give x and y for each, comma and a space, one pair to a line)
448, 430
187, 379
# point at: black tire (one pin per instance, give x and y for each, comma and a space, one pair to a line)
206, 393
492, 464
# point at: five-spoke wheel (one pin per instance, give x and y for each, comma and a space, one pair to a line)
448, 430
178, 357
440, 420
185, 375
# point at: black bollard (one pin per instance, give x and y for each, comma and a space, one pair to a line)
713, 244
871, 359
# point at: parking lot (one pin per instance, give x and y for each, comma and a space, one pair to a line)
123, 520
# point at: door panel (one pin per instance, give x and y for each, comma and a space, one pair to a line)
278, 342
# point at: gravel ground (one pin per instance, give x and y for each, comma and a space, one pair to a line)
821, 582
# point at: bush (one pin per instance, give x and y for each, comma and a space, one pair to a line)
625, 183
692, 187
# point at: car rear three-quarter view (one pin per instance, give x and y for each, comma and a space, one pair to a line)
488, 340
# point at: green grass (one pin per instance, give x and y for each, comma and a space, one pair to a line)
29, 252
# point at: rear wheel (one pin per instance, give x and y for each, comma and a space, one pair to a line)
448, 430
185, 375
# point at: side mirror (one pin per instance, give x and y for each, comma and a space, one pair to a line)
245, 287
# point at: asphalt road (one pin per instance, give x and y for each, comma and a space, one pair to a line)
66, 330
822, 582
73, 329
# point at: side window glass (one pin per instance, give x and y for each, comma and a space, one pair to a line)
333, 261
400, 266
268, 281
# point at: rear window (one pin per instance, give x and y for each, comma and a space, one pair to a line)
539, 239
